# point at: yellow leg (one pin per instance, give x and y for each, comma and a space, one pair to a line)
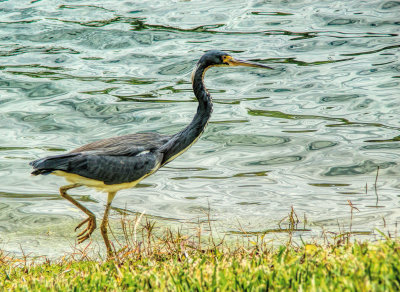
104, 223
91, 220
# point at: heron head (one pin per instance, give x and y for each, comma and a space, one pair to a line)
219, 58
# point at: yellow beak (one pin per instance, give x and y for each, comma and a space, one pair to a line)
235, 62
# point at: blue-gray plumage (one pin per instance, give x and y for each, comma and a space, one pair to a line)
121, 162
112, 161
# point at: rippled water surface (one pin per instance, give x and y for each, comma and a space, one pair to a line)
310, 134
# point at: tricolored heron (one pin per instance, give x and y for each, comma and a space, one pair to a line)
121, 162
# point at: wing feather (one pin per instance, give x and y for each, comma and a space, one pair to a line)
114, 160
129, 145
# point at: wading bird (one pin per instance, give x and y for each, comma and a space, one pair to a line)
118, 163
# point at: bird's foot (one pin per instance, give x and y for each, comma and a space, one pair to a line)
91, 226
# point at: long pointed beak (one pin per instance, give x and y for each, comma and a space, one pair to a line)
235, 62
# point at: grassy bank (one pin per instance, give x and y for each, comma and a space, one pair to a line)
176, 262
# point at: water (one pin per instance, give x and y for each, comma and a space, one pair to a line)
310, 134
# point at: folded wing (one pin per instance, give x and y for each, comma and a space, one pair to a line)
114, 161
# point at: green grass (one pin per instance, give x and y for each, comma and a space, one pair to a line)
176, 263
148, 257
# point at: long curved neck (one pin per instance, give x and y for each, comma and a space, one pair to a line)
181, 141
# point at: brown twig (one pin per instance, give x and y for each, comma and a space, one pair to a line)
375, 186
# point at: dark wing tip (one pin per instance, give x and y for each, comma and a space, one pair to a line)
41, 171
35, 172
34, 163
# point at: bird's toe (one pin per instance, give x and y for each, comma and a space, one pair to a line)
86, 233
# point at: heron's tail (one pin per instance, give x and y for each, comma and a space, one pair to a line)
51, 163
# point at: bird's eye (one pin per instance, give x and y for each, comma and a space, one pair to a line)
225, 59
